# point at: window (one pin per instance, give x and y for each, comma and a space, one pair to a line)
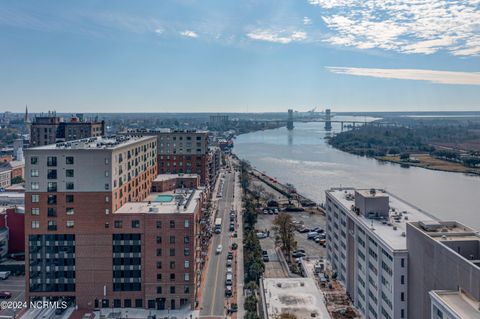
107, 211
186, 276
402, 280
107, 187
186, 239
107, 199
402, 262
172, 224
52, 187
34, 172
34, 160
159, 224
138, 303
52, 225
52, 200
159, 277
186, 264
159, 265
159, 290
35, 211
69, 160
186, 251
186, 223
35, 224
52, 212
69, 173
159, 239
34, 186
172, 252
172, 277
69, 198
52, 174
51, 161
172, 289
159, 251
402, 296
70, 223
172, 239
69, 185
35, 198
118, 224
135, 223
186, 289
172, 264
439, 313
127, 303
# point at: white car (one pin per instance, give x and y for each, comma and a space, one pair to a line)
219, 249
229, 270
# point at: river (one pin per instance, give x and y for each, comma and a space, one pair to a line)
303, 158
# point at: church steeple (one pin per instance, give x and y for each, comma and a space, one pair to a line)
26, 119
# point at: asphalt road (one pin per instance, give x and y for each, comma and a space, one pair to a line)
16, 285
214, 294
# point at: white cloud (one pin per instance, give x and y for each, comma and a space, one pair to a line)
282, 37
408, 26
307, 21
433, 76
159, 31
189, 34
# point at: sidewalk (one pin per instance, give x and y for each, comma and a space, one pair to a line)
240, 270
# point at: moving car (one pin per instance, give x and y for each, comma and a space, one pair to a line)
219, 249
5, 295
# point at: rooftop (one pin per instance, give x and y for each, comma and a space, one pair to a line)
458, 303
94, 143
298, 296
391, 231
175, 202
166, 177
163, 130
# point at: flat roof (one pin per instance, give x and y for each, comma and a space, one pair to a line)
371, 193
166, 177
298, 296
94, 143
392, 230
164, 131
174, 202
459, 303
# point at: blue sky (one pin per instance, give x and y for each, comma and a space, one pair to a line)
239, 56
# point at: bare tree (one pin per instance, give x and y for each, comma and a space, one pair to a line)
285, 229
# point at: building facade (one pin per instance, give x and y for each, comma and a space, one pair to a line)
51, 129
444, 270
182, 151
366, 247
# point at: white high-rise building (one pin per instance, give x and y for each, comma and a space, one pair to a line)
367, 248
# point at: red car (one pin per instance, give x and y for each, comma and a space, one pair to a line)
5, 294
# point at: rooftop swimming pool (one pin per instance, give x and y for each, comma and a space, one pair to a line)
163, 198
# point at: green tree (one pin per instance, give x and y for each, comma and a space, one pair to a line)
251, 303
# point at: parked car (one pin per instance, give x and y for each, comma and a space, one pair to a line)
265, 211
232, 227
229, 280
275, 211
303, 230
229, 270
230, 255
229, 262
264, 252
298, 254
4, 275
299, 251
261, 235
219, 249
234, 246
312, 235
265, 258
228, 291
5, 295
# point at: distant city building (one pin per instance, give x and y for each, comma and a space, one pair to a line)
12, 220
51, 129
393, 257
218, 121
5, 176
214, 164
118, 243
180, 151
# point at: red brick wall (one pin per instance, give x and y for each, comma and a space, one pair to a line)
16, 225
198, 165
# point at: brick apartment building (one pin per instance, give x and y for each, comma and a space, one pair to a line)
51, 128
180, 151
97, 235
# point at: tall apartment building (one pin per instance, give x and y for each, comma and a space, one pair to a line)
180, 151
51, 129
367, 247
97, 235
444, 271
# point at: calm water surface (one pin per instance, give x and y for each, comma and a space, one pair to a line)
303, 158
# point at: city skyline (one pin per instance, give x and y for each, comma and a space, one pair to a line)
191, 56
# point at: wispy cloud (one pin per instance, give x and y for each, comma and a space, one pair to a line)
433, 76
281, 36
407, 26
307, 21
189, 34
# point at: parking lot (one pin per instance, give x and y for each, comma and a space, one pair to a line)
312, 248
